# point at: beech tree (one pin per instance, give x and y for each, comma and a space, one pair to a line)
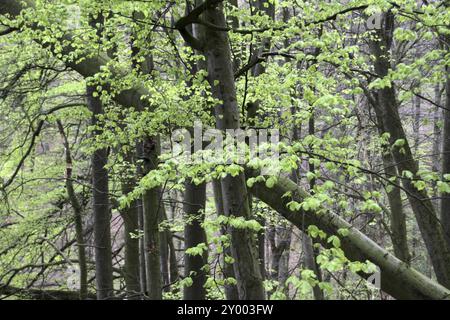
219, 149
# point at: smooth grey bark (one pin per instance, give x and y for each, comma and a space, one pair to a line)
398, 216
429, 224
142, 265
261, 240
279, 239
130, 217
169, 264
173, 267
416, 125
267, 8
78, 216
231, 292
398, 232
397, 278
234, 189
308, 248
151, 201
193, 208
164, 255
194, 234
283, 264
437, 140
100, 206
445, 201
311, 264
172, 257
262, 7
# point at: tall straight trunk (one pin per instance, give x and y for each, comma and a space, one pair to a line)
194, 234
164, 255
172, 257
445, 201
308, 248
151, 201
279, 239
399, 235
78, 216
131, 225
142, 265
231, 292
234, 189
101, 210
173, 267
264, 7
193, 208
149, 153
416, 125
437, 140
261, 238
398, 216
311, 264
261, 7
283, 264
429, 225
169, 264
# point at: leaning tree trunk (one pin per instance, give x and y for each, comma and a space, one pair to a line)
397, 278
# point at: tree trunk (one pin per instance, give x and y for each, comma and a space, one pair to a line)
283, 265
231, 292
151, 212
164, 254
174, 275
397, 215
194, 234
308, 249
78, 216
142, 266
416, 125
445, 201
421, 205
397, 278
234, 190
279, 239
437, 141
101, 210
131, 225
310, 263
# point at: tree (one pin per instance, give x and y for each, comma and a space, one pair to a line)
329, 99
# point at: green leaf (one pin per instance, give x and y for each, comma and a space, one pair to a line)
270, 182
